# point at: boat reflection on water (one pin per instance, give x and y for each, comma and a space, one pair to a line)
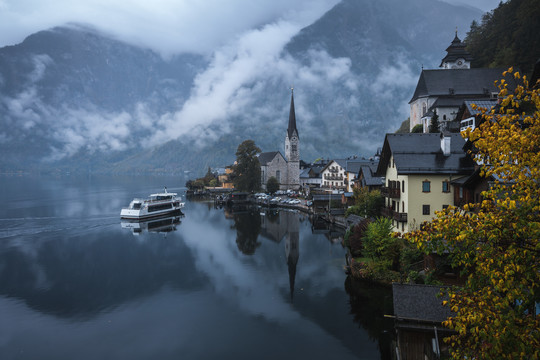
163, 224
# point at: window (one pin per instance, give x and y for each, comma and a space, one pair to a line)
425, 210
446, 186
426, 186
461, 193
444, 207
403, 185
293, 147
278, 176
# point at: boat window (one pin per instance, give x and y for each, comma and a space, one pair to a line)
137, 206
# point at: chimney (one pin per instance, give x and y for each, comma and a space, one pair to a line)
445, 144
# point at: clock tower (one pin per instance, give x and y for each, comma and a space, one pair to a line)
457, 56
292, 149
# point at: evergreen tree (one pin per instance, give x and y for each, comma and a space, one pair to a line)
507, 36
434, 126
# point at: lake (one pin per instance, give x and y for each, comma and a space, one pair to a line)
76, 282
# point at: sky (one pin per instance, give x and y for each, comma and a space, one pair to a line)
243, 40
167, 26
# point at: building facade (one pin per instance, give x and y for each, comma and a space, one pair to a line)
418, 171
443, 91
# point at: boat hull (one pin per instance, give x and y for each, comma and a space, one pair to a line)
142, 214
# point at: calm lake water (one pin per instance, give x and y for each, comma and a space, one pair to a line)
77, 283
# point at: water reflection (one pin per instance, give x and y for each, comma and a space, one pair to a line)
161, 225
369, 303
218, 283
247, 223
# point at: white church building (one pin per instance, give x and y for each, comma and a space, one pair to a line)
286, 169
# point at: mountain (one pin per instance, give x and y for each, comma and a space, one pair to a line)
75, 99
498, 42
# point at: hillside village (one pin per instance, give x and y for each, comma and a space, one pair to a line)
419, 172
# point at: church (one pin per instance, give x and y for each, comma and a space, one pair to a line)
442, 91
286, 169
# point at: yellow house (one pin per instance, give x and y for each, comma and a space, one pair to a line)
418, 169
225, 179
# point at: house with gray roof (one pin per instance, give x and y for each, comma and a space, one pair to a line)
418, 170
366, 177
418, 314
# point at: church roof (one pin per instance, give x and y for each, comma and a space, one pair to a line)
292, 119
266, 157
458, 82
455, 51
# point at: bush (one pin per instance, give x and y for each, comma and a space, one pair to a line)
418, 129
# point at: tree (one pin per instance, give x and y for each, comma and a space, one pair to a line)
378, 239
366, 203
506, 36
272, 185
434, 126
496, 242
247, 171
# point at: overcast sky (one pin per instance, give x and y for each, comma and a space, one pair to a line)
243, 41
168, 26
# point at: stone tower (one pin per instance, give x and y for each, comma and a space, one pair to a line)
292, 150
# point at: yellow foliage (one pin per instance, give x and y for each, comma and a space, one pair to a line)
497, 242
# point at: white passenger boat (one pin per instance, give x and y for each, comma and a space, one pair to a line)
155, 205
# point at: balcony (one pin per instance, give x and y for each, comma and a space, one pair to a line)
389, 213
388, 192
333, 177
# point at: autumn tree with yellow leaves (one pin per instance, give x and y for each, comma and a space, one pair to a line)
496, 243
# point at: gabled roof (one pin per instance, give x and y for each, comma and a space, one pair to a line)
266, 157
368, 172
340, 162
421, 154
353, 166
458, 82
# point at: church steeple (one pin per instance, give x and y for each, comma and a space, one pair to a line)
292, 150
292, 119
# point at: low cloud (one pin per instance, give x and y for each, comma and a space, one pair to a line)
167, 26
245, 86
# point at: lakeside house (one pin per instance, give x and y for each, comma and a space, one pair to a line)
418, 171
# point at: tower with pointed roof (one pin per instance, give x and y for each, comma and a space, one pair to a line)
457, 56
292, 149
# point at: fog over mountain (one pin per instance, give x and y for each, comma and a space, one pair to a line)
77, 99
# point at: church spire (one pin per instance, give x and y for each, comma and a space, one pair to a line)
292, 119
